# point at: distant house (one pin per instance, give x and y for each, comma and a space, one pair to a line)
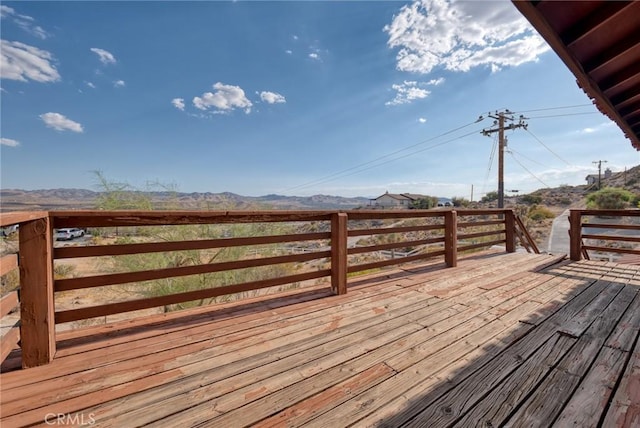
593, 178
396, 200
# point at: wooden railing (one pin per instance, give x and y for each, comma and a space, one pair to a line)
36, 335
622, 232
337, 244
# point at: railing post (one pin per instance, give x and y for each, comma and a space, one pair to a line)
37, 312
339, 253
575, 235
510, 231
451, 238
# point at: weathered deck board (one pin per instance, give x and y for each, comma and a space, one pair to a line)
493, 340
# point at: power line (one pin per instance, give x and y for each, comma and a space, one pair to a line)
527, 158
545, 146
562, 115
554, 108
491, 157
339, 173
525, 168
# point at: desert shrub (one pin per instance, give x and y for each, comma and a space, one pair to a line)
531, 199
565, 201
425, 203
490, 196
61, 271
460, 202
538, 213
610, 198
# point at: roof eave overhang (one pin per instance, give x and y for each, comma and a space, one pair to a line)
587, 84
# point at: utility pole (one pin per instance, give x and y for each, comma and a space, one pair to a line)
599, 162
499, 119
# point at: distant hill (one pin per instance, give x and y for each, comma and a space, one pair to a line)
574, 196
78, 199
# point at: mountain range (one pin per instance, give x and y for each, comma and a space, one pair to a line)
83, 199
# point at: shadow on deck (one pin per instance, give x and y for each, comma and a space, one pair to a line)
500, 340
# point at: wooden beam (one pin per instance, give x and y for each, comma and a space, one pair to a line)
8, 303
8, 263
201, 244
17, 217
451, 238
510, 231
339, 253
37, 328
187, 296
9, 342
575, 235
149, 275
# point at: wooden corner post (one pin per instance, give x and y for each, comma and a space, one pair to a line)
510, 231
575, 235
451, 238
37, 312
339, 253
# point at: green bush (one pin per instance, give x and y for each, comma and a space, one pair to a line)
425, 203
460, 202
531, 199
490, 196
537, 213
611, 198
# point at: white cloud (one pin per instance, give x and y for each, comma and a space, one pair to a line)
178, 103
272, 97
27, 23
407, 92
105, 57
19, 61
596, 128
289, 51
9, 142
458, 36
422, 120
59, 122
118, 84
436, 82
314, 55
226, 99
294, 37
91, 85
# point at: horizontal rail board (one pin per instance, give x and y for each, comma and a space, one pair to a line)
173, 218
148, 275
9, 342
481, 245
8, 303
480, 234
400, 260
8, 263
381, 247
382, 231
155, 247
479, 223
611, 226
612, 238
17, 217
610, 213
611, 250
383, 215
134, 305
489, 211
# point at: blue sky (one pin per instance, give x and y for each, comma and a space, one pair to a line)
295, 98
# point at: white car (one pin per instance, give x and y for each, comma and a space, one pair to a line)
68, 234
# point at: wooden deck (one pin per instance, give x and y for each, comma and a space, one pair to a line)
501, 340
